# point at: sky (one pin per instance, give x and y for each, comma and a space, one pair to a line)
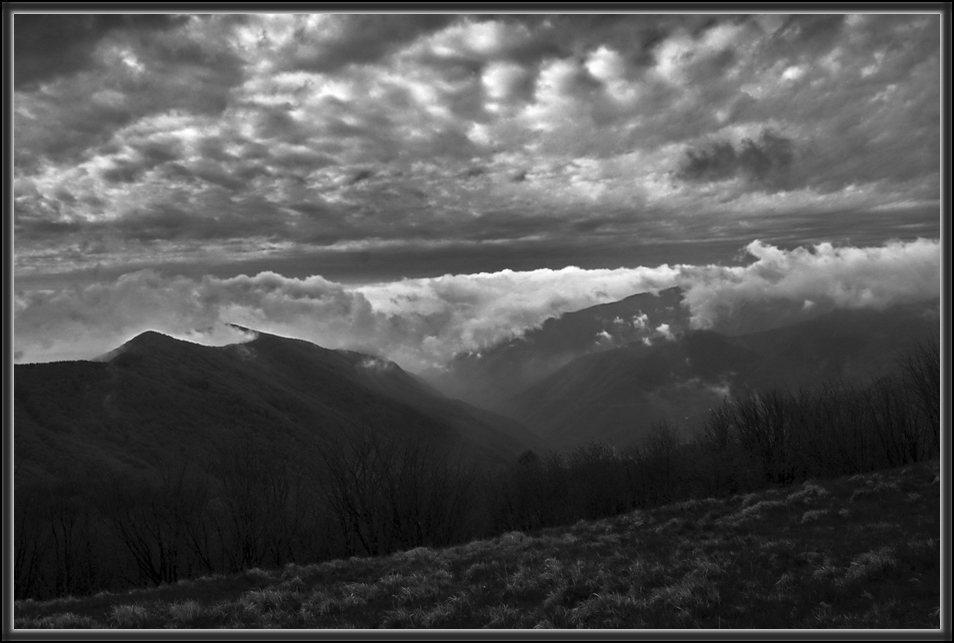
415, 185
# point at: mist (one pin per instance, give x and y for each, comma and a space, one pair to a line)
422, 323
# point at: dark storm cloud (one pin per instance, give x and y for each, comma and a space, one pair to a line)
815, 33
158, 152
473, 172
190, 69
215, 175
35, 227
65, 126
563, 36
716, 163
162, 222
302, 161
123, 172
166, 222
765, 163
145, 157
47, 46
360, 175
312, 209
127, 68
354, 39
64, 195
276, 123
455, 66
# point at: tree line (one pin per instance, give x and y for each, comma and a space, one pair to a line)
260, 501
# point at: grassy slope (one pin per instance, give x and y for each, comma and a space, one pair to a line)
859, 552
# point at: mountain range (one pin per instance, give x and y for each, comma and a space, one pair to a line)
608, 372
483, 377
157, 399
611, 372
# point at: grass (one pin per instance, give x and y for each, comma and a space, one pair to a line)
859, 552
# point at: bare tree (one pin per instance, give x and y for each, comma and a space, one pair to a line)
922, 369
394, 491
31, 540
152, 519
255, 510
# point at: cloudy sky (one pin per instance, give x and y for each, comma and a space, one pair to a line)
415, 185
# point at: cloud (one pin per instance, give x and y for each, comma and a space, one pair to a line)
842, 277
335, 129
124, 73
99, 316
415, 322
424, 322
48, 46
603, 337
360, 175
665, 332
765, 162
326, 43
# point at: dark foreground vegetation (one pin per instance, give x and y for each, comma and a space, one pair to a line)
258, 504
860, 551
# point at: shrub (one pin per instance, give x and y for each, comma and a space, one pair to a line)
128, 616
186, 614
814, 515
872, 566
65, 621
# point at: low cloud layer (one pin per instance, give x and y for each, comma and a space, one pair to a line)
423, 322
839, 277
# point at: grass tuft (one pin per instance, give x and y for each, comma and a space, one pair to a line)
65, 621
129, 617
188, 614
873, 566
815, 515
809, 493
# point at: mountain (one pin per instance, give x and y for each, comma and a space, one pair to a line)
488, 376
157, 400
852, 345
616, 394
619, 393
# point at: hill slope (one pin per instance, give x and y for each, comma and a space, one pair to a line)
487, 377
619, 393
157, 399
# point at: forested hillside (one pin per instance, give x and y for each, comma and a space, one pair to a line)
265, 500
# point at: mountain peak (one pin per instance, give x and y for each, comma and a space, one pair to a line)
143, 339
150, 335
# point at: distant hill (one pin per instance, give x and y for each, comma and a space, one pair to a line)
157, 400
853, 345
618, 393
487, 377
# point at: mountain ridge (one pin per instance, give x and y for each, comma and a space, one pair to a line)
156, 398
481, 377
619, 393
